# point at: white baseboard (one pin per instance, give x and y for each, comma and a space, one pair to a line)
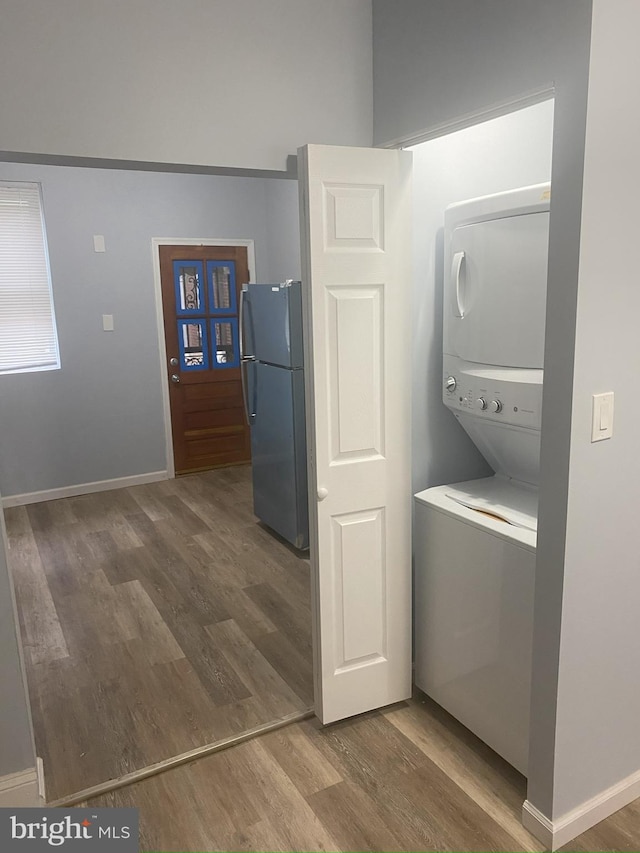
18, 790
556, 833
537, 824
42, 792
83, 489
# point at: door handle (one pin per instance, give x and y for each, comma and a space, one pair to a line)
241, 322
175, 378
245, 306
244, 361
456, 295
173, 362
322, 493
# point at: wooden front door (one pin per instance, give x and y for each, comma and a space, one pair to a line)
201, 297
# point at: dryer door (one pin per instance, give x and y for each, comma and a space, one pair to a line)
496, 280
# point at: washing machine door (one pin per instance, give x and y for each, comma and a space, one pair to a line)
495, 291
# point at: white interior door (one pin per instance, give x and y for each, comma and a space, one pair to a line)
356, 225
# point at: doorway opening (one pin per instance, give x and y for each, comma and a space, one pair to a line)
479, 312
161, 619
200, 303
197, 294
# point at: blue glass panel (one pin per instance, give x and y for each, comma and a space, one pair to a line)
221, 278
224, 340
192, 340
188, 284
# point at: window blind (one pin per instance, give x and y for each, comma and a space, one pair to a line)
28, 339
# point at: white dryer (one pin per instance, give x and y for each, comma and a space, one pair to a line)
475, 541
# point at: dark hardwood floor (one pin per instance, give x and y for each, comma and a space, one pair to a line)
155, 619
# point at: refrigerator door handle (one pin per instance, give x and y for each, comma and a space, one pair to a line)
241, 329
244, 359
244, 362
246, 310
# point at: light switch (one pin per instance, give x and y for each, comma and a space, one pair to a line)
602, 416
107, 322
98, 243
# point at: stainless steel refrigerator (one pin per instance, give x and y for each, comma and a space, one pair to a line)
273, 388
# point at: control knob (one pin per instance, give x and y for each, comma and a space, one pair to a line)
450, 384
481, 403
495, 406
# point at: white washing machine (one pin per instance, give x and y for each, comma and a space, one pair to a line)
474, 608
476, 541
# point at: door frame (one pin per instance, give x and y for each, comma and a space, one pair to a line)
156, 242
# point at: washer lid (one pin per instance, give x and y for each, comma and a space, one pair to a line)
515, 503
505, 508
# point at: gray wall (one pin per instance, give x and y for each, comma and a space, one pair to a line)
16, 745
597, 743
100, 416
433, 63
502, 154
283, 231
438, 61
238, 83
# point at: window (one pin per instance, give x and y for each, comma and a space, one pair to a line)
28, 339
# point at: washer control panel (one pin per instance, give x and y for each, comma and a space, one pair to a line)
509, 395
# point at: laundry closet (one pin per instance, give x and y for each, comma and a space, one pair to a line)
481, 220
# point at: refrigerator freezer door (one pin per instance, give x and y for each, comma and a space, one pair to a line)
272, 323
278, 450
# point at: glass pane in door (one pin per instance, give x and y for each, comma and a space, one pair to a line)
187, 278
192, 339
221, 278
224, 336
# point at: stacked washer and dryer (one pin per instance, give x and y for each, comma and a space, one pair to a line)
476, 541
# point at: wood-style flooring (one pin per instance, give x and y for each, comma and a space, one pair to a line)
407, 778
155, 619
